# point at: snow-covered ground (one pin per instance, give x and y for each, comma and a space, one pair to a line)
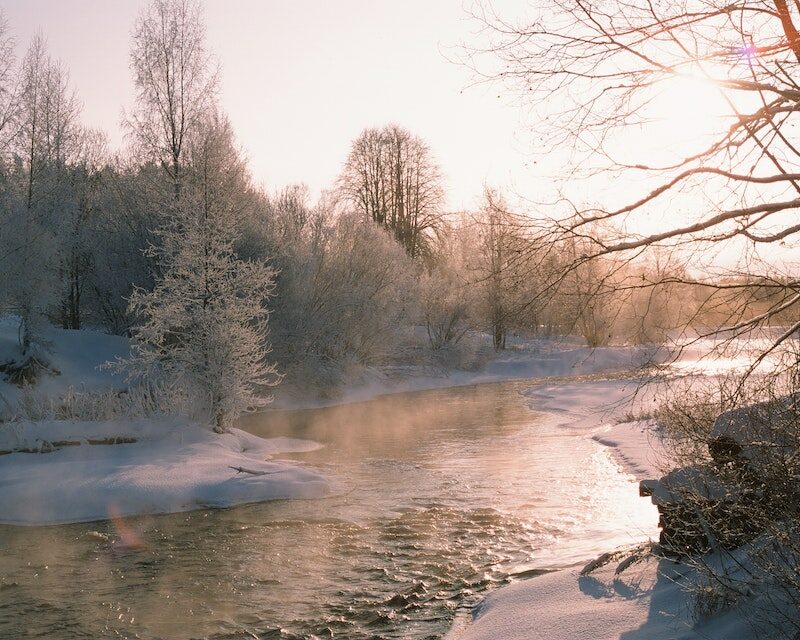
104, 469
647, 600
76, 355
172, 466
635, 446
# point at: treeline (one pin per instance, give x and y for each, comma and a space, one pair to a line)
87, 234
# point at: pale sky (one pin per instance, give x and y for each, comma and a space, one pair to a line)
302, 78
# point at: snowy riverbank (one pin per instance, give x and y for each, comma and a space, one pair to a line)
649, 599
58, 470
158, 466
524, 358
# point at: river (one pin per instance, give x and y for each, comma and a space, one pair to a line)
441, 496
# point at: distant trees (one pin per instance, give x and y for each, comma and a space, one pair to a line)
592, 73
8, 86
80, 207
500, 248
391, 177
345, 294
509, 293
126, 207
445, 305
175, 225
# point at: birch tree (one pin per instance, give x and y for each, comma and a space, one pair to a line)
8, 87
391, 177
79, 208
501, 266
176, 83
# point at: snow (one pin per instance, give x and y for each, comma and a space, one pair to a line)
636, 447
603, 408
645, 601
169, 464
77, 355
173, 466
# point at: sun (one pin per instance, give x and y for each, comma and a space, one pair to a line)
683, 114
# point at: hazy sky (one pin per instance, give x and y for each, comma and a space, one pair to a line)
301, 79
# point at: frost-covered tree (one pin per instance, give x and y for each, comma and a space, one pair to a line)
204, 325
77, 224
345, 288
8, 86
45, 142
128, 209
445, 306
499, 267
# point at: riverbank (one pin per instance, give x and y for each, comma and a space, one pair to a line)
632, 594
404, 493
64, 461
67, 455
67, 471
525, 358
445, 494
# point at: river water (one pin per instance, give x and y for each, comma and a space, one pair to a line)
441, 496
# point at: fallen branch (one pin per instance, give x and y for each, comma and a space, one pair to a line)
46, 446
251, 472
112, 440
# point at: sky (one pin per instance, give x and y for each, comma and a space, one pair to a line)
302, 78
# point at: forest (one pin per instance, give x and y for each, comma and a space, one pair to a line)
156, 239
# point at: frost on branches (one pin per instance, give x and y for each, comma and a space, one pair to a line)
203, 328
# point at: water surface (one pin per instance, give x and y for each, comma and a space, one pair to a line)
443, 495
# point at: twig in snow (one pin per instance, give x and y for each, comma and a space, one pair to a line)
251, 472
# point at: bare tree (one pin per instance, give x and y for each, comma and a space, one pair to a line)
497, 233
80, 205
502, 266
592, 73
176, 82
391, 178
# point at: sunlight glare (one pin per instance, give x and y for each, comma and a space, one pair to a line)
684, 113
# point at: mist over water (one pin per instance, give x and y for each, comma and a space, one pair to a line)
443, 495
